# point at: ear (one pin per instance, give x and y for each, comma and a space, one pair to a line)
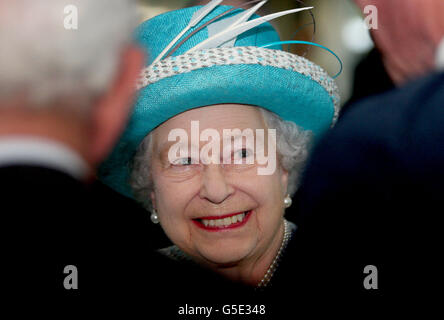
153, 200
111, 112
284, 180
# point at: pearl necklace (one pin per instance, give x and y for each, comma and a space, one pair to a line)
272, 268
176, 254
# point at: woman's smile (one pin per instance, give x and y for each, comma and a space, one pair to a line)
223, 222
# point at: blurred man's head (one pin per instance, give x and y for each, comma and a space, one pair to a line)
83, 77
408, 35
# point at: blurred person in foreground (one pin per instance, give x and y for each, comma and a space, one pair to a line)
408, 36
64, 99
373, 188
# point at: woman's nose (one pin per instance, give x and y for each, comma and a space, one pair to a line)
214, 185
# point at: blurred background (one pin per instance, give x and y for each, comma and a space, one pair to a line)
339, 26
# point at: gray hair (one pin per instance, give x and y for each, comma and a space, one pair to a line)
49, 63
292, 146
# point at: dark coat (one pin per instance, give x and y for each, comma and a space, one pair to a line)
50, 220
372, 195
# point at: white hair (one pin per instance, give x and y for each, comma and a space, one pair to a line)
42, 59
292, 146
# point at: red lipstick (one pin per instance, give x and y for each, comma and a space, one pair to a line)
223, 222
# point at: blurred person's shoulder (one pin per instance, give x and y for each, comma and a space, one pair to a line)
371, 192
404, 103
398, 118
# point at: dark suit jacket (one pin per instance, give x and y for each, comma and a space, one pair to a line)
50, 220
372, 195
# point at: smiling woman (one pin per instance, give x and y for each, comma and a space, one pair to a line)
215, 213
221, 213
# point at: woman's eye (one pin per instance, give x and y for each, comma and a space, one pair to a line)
242, 153
183, 162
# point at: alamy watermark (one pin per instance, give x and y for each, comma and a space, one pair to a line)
371, 19
250, 152
71, 281
71, 20
371, 280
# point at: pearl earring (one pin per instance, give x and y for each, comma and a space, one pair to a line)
287, 201
154, 217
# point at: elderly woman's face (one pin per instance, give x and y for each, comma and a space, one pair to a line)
220, 214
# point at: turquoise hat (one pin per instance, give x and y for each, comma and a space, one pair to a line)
239, 71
